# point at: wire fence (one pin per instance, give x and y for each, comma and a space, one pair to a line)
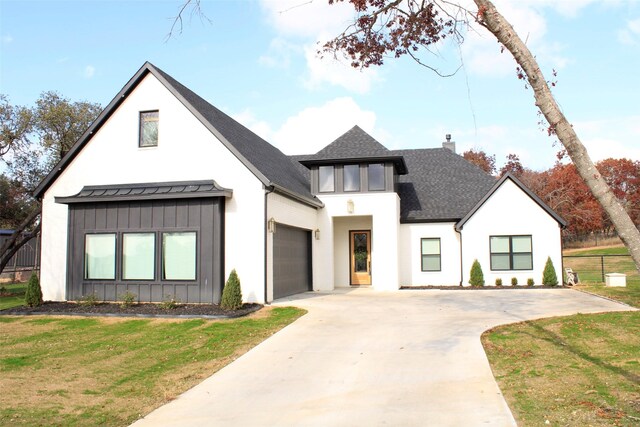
593, 268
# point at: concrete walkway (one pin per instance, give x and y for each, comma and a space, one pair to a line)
366, 358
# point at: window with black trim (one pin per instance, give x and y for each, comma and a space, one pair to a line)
511, 253
148, 129
430, 251
376, 176
351, 178
100, 256
326, 182
138, 256
179, 254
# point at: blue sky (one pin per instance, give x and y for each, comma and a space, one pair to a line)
256, 61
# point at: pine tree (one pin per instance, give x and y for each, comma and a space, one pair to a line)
549, 276
477, 277
33, 294
232, 293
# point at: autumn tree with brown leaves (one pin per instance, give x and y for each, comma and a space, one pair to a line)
481, 159
395, 28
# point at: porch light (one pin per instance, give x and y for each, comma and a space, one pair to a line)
271, 225
317, 234
350, 206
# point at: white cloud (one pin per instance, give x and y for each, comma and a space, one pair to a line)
307, 19
338, 72
89, 71
313, 128
7, 39
630, 35
279, 54
616, 138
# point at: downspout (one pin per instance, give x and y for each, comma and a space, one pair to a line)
461, 263
270, 189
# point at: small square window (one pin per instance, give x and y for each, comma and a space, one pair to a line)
148, 129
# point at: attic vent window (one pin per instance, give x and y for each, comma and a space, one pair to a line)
148, 129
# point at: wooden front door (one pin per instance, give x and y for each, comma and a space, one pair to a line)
360, 254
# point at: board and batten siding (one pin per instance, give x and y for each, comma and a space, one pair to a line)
204, 216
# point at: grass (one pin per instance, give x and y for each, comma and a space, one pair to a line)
570, 371
112, 371
589, 268
628, 295
15, 297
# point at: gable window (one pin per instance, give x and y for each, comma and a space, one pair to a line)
326, 183
376, 176
351, 177
148, 129
138, 256
430, 251
100, 256
511, 253
179, 256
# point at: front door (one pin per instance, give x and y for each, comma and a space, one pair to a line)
360, 253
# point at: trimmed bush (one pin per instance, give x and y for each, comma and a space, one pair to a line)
514, 281
549, 276
33, 294
232, 293
498, 282
477, 277
530, 281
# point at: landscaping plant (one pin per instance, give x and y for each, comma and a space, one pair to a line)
514, 281
33, 294
232, 293
477, 277
128, 299
549, 277
498, 282
530, 281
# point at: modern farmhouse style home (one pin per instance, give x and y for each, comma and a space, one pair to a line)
165, 194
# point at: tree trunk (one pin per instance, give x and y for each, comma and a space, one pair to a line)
19, 238
493, 21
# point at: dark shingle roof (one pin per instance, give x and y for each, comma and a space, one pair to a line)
440, 185
353, 144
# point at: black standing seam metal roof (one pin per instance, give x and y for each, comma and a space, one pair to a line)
147, 191
266, 162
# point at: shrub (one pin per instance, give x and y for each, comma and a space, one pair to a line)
33, 294
549, 277
169, 303
232, 293
89, 300
530, 281
498, 282
477, 278
128, 299
514, 281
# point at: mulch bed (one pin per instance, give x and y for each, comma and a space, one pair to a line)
210, 311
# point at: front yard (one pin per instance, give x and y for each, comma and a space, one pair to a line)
111, 371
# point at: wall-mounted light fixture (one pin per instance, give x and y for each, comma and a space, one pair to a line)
317, 234
271, 225
350, 206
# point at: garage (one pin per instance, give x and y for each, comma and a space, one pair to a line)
291, 261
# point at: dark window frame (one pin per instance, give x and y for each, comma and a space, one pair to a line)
438, 256
333, 176
196, 266
141, 123
511, 253
115, 258
155, 255
384, 181
359, 189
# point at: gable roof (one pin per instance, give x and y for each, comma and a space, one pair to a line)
439, 186
522, 187
266, 162
355, 145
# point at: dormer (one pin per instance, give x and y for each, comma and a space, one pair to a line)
354, 163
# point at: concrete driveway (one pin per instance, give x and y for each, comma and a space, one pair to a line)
361, 357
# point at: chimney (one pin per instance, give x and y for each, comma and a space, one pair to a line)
451, 145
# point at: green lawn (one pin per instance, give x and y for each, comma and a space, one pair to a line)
570, 371
589, 268
15, 297
111, 371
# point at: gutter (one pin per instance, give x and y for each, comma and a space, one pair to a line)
461, 263
268, 190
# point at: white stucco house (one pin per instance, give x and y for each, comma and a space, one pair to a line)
165, 194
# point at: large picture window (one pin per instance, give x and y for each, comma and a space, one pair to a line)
100, 256
511, 253
138, 256
326, 180
430, 250
376, 176
351, 177
149, 129
179, 256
